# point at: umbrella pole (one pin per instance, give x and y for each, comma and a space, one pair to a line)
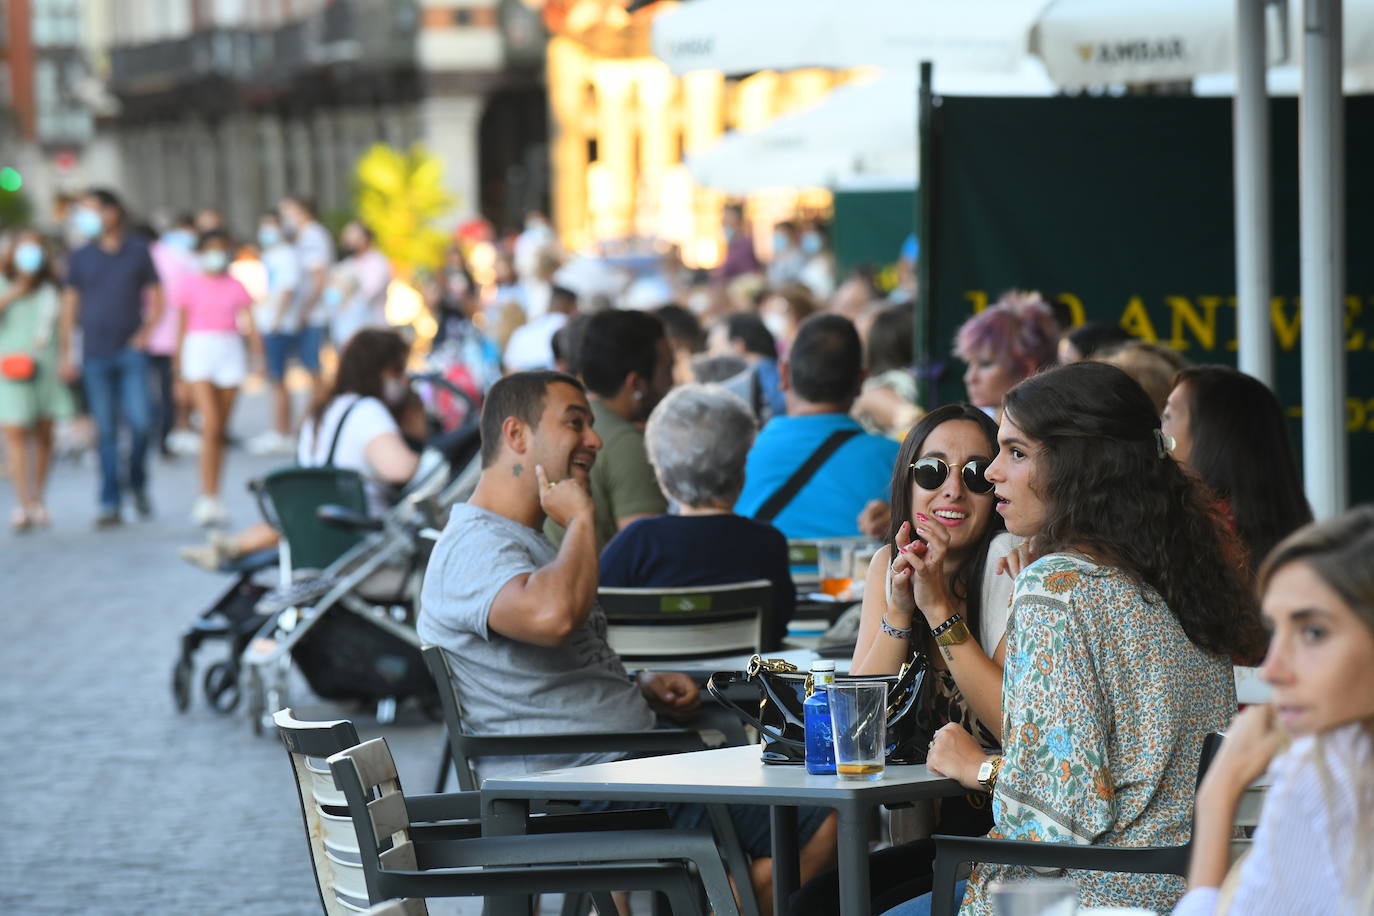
1251, 150
1321, 183
927, 392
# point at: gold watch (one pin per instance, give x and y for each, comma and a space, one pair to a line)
952, 632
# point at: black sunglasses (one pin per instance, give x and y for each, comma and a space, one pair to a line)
931, 474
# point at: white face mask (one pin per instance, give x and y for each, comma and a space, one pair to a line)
776, 323
394, 390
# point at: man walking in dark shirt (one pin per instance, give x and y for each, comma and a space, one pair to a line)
108, 282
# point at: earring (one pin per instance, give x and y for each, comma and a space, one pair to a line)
639, 395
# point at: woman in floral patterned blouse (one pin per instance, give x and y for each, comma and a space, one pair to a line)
1117, 650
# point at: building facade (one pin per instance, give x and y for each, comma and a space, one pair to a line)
237, 103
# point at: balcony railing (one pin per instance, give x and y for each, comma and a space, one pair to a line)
367, 32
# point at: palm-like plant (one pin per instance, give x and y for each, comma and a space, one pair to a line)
399, 195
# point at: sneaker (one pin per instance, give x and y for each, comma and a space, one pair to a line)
143, 505
108, 518
210, 556
271, 443
183, 442
209, 511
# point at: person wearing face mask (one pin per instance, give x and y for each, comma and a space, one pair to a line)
109, 282
211, 305
357, 297
788, 258
818, 270
32, 396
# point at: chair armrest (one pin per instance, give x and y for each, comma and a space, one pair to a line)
661, 741
448, 806
953, 851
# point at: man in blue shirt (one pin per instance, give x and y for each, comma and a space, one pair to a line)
820, 378
109, 280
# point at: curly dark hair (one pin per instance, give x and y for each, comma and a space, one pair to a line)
1241, 451
963, 585
1110, 491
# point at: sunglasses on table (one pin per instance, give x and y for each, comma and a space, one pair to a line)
930, 474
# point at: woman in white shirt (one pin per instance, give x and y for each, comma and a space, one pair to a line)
1314, 846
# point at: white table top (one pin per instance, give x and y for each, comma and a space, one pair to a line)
730, 774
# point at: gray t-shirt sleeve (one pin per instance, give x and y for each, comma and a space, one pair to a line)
469, 573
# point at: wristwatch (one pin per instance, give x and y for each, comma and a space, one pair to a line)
988, 771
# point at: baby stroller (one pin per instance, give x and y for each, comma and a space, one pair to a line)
233, 618
345, 613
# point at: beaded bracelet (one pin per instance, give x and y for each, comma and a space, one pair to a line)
895, 632
948, 624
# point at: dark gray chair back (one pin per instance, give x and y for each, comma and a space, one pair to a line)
680, 624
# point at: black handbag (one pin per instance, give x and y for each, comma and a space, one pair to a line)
782, 689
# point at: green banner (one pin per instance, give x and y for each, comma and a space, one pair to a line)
1122, 208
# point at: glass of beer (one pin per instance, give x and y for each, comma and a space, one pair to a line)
836, 569
858, 718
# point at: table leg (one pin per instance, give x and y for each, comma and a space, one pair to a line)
786, 859
852, 839
506, 817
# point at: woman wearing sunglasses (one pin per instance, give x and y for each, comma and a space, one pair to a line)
937, 574
1119, 644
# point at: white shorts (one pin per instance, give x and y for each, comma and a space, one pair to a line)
217, 357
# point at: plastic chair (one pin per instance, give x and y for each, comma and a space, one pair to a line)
463, 750
698, 621
953, 851
290, 499
399, 863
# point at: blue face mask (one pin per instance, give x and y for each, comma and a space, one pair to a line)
811, 243
28, 257
332, 296
268, 236
214, 261
780, 242
87, 222
180, 238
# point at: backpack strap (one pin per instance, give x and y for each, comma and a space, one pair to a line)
784, 495
338, 431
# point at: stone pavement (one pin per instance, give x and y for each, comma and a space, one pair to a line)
113, 802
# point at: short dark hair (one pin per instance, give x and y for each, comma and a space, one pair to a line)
214, 235
891, 342
1097, 335
563, 295
567, 342
749, 329
109, 199
520, 395
826, 360
303, 201
618, 343
682, 327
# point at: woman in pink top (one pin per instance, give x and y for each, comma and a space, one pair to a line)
214, 361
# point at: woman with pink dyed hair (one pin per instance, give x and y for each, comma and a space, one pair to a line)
1009, 341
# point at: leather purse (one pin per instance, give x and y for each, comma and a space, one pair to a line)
18, 367
782, 689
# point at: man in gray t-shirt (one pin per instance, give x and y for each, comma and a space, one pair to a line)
517, 616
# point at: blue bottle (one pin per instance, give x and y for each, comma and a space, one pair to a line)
820, 748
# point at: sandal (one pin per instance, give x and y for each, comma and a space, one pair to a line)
38, 516
19, 520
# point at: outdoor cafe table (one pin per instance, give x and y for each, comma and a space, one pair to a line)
731, 775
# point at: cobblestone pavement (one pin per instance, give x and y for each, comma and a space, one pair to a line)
114, 803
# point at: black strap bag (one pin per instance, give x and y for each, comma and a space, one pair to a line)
782, 689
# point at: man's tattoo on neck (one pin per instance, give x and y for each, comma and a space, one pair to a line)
515, 471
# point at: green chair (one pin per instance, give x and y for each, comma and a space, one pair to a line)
290, 499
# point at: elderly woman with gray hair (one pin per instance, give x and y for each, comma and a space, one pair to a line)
697, 439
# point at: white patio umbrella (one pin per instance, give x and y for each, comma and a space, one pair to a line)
860, 135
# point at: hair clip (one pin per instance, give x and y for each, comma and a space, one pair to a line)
1164, 443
